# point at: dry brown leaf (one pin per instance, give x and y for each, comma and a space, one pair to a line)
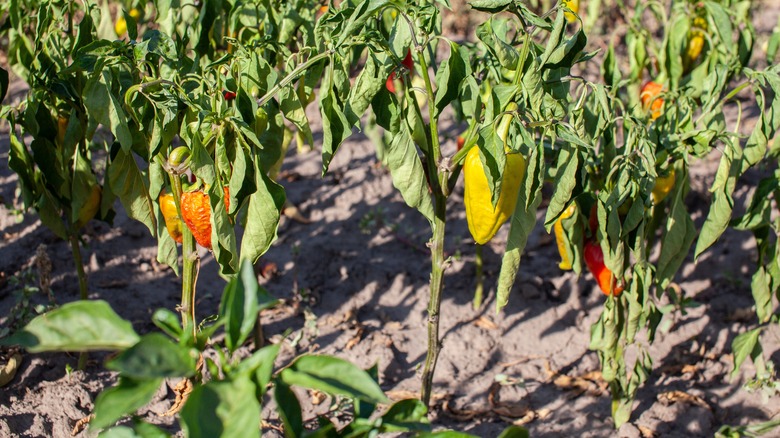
529, 416
317, 397
670, 397
8, 372
81, 425
591, 382
402, 394
485, 323
355, 339
522, 360
293, 213
182, 391
462, 414
267, 270
646, 432
267, 425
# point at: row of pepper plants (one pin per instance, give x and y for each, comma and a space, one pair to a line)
185, 110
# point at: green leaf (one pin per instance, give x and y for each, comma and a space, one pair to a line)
335, 126
762, 294
168, 322
155, 356
722, 201
239, 306
450, 76
333, 376
522, 223
128, 183
76, 326
142, 430
491, 6
745, 345
368, 83
106, 108
262, 218
222, 409
123, 399
565, 181
406, 415
407, 172
259, 367
514, 432
289, 409
678, 236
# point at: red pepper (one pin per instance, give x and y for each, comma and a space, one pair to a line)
594, 258
461, 142
408, 62
229, 95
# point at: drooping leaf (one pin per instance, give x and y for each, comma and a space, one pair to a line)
123, 399
263, 213
77, 326
155, 356
222, 409
332, 375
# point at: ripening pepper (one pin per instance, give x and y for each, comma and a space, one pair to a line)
483, 219
228, 95
696, 38
663, 186
594, 259
171, 216
196, 214
408, 63
62, 128
650, 100
560, 237
574, 5
121, 26
90, 208
461, 142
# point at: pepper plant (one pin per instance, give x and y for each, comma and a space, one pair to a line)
199, 99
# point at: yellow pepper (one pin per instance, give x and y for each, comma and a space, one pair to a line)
483, 219
90, 208
574, 5
560, 237
171, 215
663, 186
696, 39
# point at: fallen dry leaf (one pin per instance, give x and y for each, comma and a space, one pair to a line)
591, 382
8, 372
81, 425
317, 397
670, 397
267, 270
462, 414
402, 394
293, 213
646, 432
182, 391
355, 339
485, 323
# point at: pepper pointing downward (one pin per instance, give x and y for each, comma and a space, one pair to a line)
594, 258
483, 218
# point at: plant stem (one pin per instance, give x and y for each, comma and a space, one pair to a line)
190, 262
291, 77
434, 303
480, 279
75, 249
437, 240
